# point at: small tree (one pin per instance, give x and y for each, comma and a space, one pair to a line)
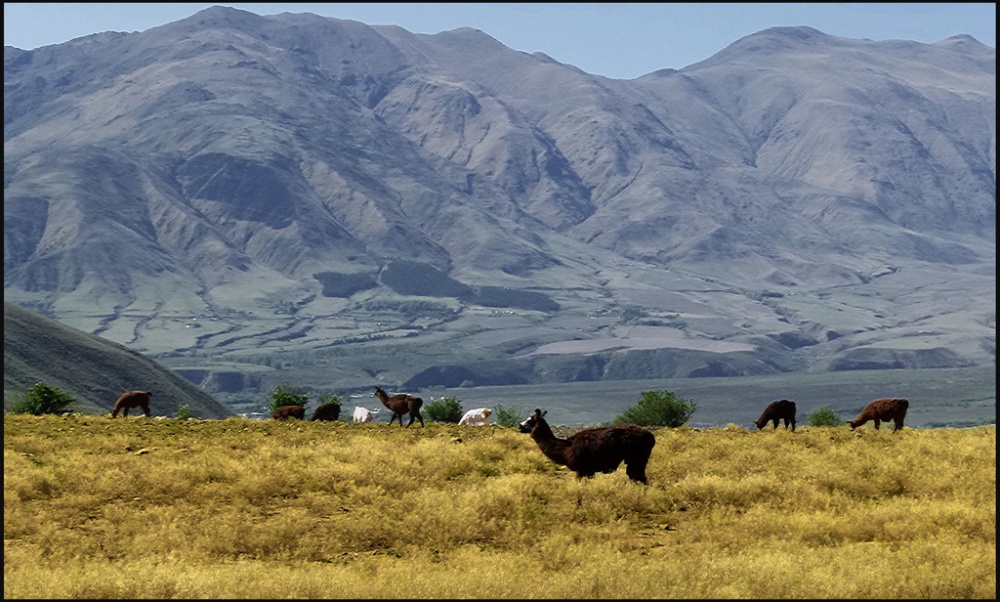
183, 411
824, 416
287, 395
446, 409
658, 408
508, 416
42, 399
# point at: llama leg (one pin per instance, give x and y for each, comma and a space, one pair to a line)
145, 410
412, 418
899, 424
636, 469
876, 423
419, 417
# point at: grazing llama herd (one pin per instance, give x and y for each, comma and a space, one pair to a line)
586, 452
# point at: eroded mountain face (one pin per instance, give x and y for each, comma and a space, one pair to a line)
235, 185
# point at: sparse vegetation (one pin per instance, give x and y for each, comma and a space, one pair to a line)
824, 416
42, 399
183, 412
658, 408
631, 314
240, 509
446, 409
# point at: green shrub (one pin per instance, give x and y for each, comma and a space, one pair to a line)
824, 416
507, 416
658, 408
446, 409
287, 395
326, 398
183, 411
42, 399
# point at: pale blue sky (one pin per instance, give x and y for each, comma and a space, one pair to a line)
621, 40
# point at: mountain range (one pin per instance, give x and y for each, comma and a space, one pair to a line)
253, 200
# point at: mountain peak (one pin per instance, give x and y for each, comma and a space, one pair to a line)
770, 41
964, 41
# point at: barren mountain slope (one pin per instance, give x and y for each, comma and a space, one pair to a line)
233, 188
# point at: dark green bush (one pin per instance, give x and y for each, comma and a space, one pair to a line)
40, 399
505, 416
287, 395
446, 409
326, 398
658, 408
824, 416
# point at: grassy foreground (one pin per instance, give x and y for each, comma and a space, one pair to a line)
236, 508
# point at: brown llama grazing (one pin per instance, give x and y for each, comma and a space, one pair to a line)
400, 404
326, 411
775, 411
593, 450
292, 411
883, 410
132, 399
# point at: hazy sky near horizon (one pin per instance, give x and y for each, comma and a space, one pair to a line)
619, 40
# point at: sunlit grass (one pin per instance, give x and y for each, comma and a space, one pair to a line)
147, 508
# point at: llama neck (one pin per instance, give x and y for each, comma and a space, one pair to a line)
384, 398
553, 447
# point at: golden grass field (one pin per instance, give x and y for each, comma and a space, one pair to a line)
169, 508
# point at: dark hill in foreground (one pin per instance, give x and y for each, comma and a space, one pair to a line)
95, 371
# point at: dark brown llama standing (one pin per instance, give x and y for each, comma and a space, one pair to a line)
775, 411
132, 399
883, 410
291, 411
593, 450
326, 411
400, 404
